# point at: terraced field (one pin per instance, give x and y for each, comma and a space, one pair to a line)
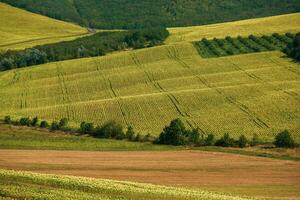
253, 93
19, 185
21, 29
259, 26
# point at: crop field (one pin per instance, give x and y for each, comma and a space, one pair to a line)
259, 26
229, 174
241, 45
19, 185
20, 29
243, 94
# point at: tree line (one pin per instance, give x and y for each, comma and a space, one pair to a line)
293, 49
98, 44
173, 134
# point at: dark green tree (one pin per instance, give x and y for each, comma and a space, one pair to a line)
284, 140
242, 142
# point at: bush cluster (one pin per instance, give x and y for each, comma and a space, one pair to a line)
96, 45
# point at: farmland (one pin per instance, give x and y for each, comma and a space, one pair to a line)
147, 88
225, 173
21, 29
275, 24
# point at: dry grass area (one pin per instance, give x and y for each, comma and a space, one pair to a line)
214, 171
21, 29
258, 26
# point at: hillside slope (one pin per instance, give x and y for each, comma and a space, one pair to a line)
259, 26
255, 93
135, 13
20, 29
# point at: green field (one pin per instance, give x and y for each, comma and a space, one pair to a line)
244, 94
258, 26
20, 185
20, 29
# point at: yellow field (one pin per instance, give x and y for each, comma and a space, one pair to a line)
259, 26
21, 29
245, 94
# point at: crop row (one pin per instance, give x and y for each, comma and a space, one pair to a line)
241, 45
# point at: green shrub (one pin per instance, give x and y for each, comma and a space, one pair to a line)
86, 128
174, 134
242, 142
54, 126
7, 120
210, 140
225, 141
130, 133
44, 124
25, 121
284, 140
255, 140
63, 123
34, 121
109, 130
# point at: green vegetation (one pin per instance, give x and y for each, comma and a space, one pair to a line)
293, 48
20, 185
284, 140
98, 44
19, 137
130, 14
241, 45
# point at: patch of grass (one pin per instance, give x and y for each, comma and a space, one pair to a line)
29, 138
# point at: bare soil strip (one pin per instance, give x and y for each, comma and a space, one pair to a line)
179, 168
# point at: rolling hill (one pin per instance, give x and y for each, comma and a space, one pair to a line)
21, 29
147, 88
135, 13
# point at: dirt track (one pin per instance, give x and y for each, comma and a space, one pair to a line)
189, 168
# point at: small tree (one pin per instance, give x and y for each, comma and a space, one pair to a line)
34, 121
225, 141
109, 130
130, 133
243, 142
174, 134
194, 137
255, 140
54, 126
44, 124
7, 120
210, 140
63, 123
86, 128
284, 140
25, 121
